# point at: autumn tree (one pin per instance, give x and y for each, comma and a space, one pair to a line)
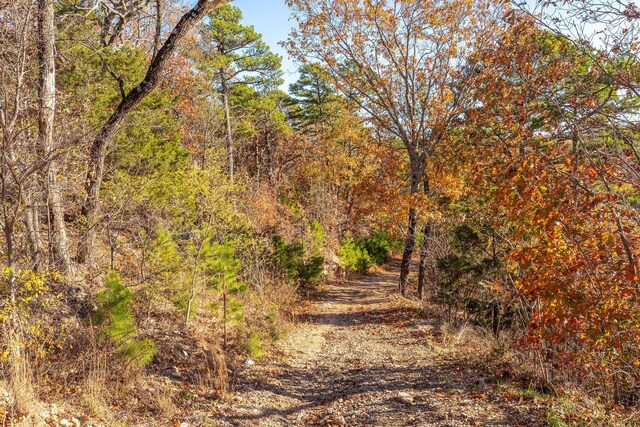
408, 65
552, 178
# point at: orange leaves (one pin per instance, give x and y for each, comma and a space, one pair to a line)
574, 235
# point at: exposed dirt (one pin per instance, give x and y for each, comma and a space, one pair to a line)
360, 358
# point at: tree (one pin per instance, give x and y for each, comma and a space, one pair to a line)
263, 125
46, 119
553, 179
235, 54
408, 65
313, 97
95, 170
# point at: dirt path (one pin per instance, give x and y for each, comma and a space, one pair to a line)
359, 358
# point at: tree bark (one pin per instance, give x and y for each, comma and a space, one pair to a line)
409, 245
227, 118
95, 170
33, 227
46, 43
410, 241
424, 249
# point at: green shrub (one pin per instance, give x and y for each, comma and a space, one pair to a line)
300, 268
462, 274
359, 254
116, 320
355, 256
318, 236
254, 347
223, 268
378, 245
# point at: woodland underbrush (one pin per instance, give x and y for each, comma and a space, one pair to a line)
136, 373
476, 298
518, 373
164, 329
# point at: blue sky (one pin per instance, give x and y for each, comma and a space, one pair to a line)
271, 19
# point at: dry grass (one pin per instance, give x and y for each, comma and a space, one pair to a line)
94, 387
20, 375
164, 404
516, 373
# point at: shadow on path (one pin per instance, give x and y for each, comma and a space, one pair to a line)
372, 353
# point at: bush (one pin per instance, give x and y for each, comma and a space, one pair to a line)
117, 323
378, 245
360, 254
355, 256
291, 257
464, 273
254, 347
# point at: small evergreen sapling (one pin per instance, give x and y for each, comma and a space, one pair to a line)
222, 267
116, 320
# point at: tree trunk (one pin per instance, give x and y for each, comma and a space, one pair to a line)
227, 118
270, 160
95, 169
33, 228
410, 241
46, 42
157, 38
409, 245
424, 251
424, 248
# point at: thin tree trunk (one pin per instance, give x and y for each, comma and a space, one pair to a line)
407, 254
424, 249
418, 163
228, 131
59, 238
270, 160
410, 241
95, 169
157, 42
46, 41
33, 229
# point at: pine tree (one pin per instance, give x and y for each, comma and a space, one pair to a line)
235, 54
117, 322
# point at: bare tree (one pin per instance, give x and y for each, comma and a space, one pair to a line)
47, 97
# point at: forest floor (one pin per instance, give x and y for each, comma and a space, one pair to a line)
363, 356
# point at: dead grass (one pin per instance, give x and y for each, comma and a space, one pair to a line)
516, 374
21, 394
94, 387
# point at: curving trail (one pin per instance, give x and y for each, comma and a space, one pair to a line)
361, 358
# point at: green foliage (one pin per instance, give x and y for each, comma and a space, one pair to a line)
355, 256
116, 320
313, 99
318, 236
303, 269
378, 245
254, 347
236, 53
359, 255
554, 420
464, 273
222, 267
235, 311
